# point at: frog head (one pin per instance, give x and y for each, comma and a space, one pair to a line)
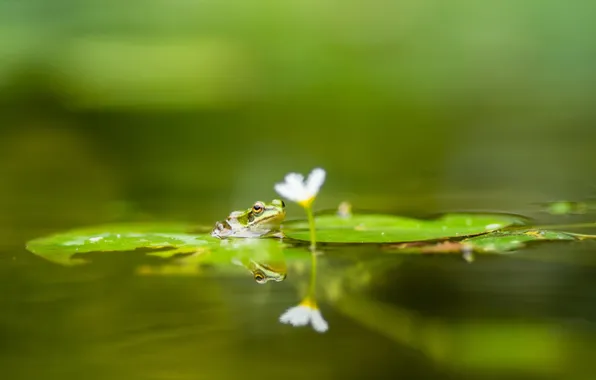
259, 220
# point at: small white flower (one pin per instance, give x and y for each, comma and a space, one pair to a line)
302, 192
304, 313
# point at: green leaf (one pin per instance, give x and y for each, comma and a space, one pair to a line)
185, 253
506, 241
493, 242
61, 247
379, 228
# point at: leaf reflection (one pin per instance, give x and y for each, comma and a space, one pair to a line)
263, 258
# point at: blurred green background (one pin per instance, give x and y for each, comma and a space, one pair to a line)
186, 110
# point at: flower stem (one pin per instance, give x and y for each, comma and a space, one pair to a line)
311, 225
313, 275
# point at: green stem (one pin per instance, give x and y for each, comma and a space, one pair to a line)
313, 275
311, 224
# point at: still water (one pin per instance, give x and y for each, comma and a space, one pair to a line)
185, 111
529, 315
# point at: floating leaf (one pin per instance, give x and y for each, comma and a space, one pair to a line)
493, 242
379, 228
264, 258
505, 241
61, 247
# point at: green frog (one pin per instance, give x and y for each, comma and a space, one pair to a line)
262, 219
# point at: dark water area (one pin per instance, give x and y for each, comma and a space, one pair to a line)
185, 112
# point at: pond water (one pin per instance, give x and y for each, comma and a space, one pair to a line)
182, 111
526, 315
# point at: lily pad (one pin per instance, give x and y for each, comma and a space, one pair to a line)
60, 248
506, 241
493, 242
379, 228
185, 254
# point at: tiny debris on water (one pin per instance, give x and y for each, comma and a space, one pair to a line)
535, 233
344, 210
360, 227
565, 207
468, 253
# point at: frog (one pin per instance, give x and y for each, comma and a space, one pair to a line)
261, 220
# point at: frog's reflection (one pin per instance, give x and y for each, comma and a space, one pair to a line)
263, 271
263, 258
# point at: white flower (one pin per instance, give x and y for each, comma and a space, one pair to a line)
302, 192
304, 313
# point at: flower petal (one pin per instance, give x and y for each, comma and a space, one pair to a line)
286, 191
294, 177
295, 180
315, 180
317, 321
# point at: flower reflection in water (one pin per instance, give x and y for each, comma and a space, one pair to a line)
304, 313
307, 311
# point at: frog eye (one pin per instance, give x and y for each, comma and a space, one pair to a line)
258, 208
259, 278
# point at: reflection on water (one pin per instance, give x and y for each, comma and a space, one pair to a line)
263, 273
265, 259
307, 312
192, 315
